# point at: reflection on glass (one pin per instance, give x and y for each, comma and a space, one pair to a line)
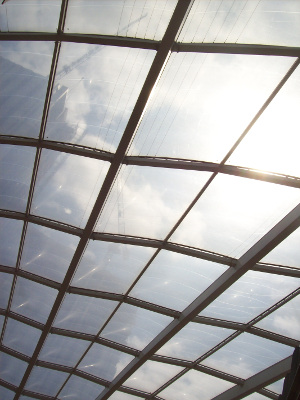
33, 300
110, 267
63, 350
6, 394
272, 143
83, 314
174, 280
5, 286
148, 201
10, 235
16, 164
21, 337
247, 355
67, 186
285, 320
94, 93
24, 75
252, 294
151, 376
134, 326
143, 19
104, 362
287, 252
194, 386
203, 102
45, 381
256, 21
234, 213
11, 369
78, 388
193, 341
47, 252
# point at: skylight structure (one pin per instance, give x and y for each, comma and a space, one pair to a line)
149, 205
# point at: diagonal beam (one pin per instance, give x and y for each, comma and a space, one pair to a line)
278, 233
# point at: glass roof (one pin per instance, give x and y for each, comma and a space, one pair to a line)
149, 198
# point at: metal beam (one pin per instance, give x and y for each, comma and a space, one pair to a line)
278, 233
258, 381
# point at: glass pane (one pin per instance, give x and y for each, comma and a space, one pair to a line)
45, 381
234, 213
276, 386
33, 300
1, 321
134, 326
203, 102
151, 376
247, 355
287, 252
252, 294
174, 280
11, 369
230, 21
193, 341
10, 235
63, 350
48, 252
21, 337
67, 186
104, 362
194, 386
272, 142
5, 286
256, 396
29, 15
122, 396
83, 314
16, 164
110, 267
24, 76
285, 320
143, 19
148, 201
6, 394
95, 91
78, 389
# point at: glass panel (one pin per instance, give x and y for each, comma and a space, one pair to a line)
6, 394
287, 252
29, 15
110, 267
174, 280
234, 213
247, 355
10, 235
16, 164
5, 286
151, 376
252, 294
122, 396
143, 19
11, 369
194, 386
134, 326
276, 386
67, 186
24, 76
148, 201
272, 142
1, 322
203, 102
256, 396
104, 362
21, 337
77, 389
95, 91
63, 350
193, 341
230, 21
46, 381
48, 252
33, 300
83, 314
285, 320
